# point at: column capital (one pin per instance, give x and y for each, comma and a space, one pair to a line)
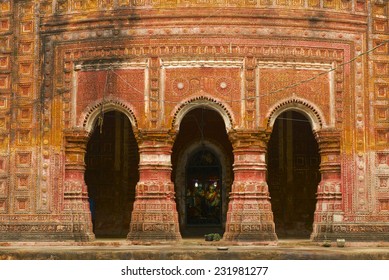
249, 138
156, 136
324, 136
75, 137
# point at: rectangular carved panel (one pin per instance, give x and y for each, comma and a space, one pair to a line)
23, 159
381, 68
382, 137
381, 91
23, 181
5, 24
274, 86
5, 81
380, 26
221, 83
124, 84
5, 62
22, 205
3, 187
384, 205
5, 6
382, 114
26, 27
25, 90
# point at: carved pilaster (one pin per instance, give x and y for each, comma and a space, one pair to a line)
154, 217
75, 190
329, 193
249, 216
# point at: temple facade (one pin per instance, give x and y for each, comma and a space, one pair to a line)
153, 120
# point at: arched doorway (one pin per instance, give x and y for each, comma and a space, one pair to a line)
293, 174
111, 174
202, 172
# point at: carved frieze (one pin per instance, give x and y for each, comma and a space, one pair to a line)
67, 6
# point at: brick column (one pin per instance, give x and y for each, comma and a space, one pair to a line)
249, 216
329, 193
154, 217
75, 190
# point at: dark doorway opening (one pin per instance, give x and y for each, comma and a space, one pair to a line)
111, 175
202, 172
293, 175
203, 189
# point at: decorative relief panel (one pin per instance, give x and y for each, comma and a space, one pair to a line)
25, 68
3, 188
4, 166
381, 68
382, 179
258, 48
5, 62
381, 91
5, 82
22, 205
378, 105
26, 27
5, 24
46, 7
23, 181
218, 79
3, 206
380, 8
380, 26
381, 114
276, 78
23, 159
25, 89
23, 137
382, 137
384, 205
6, 42
5, 6
126, 84
381, 48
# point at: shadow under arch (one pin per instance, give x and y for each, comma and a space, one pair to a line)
293, 163
111, 174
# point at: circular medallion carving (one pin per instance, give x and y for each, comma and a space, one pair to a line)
180, 86
223, 85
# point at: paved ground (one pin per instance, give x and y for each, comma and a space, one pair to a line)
195, 249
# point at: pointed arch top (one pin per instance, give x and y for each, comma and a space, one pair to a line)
202, 102
91, 113
312, 112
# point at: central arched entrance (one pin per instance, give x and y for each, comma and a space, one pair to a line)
202, 172
293, 174
111, 174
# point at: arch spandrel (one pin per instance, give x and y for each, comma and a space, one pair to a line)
314, 115
90, 116
183, 108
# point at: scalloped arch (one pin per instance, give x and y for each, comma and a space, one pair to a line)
91, 112
202, 101
314, 115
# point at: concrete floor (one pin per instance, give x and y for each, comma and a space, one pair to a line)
191, 249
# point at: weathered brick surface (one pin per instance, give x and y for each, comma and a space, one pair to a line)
61, 61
